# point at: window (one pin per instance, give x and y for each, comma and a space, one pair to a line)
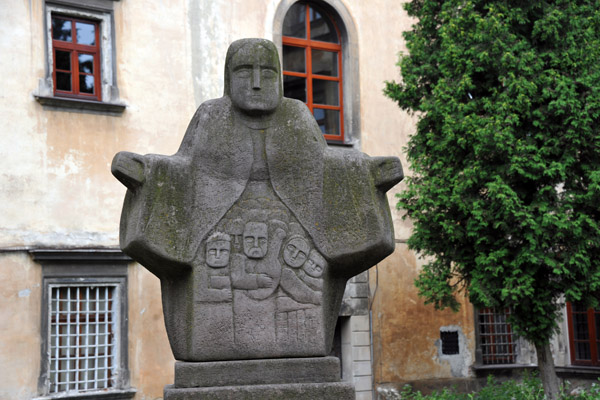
496, 340
312, 66
82, 338
80, 57
76, 50
584, 334
84, 323
449, 342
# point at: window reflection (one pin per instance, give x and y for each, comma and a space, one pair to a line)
86, 63
294, 23
321, 27
328, 121
86, 84
86, 33
61, 29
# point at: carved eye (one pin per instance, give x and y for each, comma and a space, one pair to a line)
225, 252
268, 73
291, 247
212, 252
262, 241
243, 73
249, 240
301, 255
318, 268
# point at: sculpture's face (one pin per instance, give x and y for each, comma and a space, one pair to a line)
255, 240
295, 252
315, 265
254, 81
217, 253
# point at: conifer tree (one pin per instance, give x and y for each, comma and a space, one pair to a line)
505, 185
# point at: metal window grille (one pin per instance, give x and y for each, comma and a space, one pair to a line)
449, 342
82, 338
496, 339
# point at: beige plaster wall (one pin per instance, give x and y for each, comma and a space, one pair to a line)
20, 346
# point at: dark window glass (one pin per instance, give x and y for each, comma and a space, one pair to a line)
328, 121
294, 59
324, 62
449, 342
325, 92
86, 33
294, 23
86, 63
580, 326
321, 27
63, 81
294, 87
583, 351
63, 60
61, 29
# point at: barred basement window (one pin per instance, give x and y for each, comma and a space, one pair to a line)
496, 339
449, 342
82, 338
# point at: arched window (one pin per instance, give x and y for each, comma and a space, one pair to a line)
312, 65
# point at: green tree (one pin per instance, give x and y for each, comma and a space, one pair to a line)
505, 192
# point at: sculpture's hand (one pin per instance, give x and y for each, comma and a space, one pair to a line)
264, 281
387, 172
128, 168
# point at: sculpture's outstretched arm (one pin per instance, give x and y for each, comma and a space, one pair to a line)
387, 172
128, 168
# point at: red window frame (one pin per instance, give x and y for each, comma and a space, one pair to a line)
309, 45
593, 336
75, 49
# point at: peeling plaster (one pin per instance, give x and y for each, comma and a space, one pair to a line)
24, 293
459, 363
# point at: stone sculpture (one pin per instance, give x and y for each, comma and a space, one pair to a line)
254, 225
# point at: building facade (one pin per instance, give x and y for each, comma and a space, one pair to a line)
84, 79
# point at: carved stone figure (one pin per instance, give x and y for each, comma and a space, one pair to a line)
254, 225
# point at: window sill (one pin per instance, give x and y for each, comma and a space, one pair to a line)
104, 395
501, 369
578, 371
80, 104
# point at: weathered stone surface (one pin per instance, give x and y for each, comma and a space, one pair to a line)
254, 225
256, 372
297, 391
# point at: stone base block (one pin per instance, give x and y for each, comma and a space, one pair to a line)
257, 372
269, 379
292, 391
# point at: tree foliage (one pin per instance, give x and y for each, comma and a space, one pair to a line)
505, 190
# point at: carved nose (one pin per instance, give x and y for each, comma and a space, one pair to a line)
295, 253
256, 79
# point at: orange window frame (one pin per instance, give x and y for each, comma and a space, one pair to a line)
592, 339
309, 45
75, 49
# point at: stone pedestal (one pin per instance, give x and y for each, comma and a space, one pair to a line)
286, 378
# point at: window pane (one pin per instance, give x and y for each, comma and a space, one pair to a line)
294, 59
63, 81
582, 350
324, 62
326, 92
86, 84
321, 27
328, 121
580, 326
294, 87
86, 63
63, 60
294, 23
86, 33
61, 29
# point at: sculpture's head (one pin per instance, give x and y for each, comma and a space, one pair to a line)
295, 251
218, 247
315, 265
253, 76
255, 239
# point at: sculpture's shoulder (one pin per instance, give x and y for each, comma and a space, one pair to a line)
214, 110
297, 119
296, 109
